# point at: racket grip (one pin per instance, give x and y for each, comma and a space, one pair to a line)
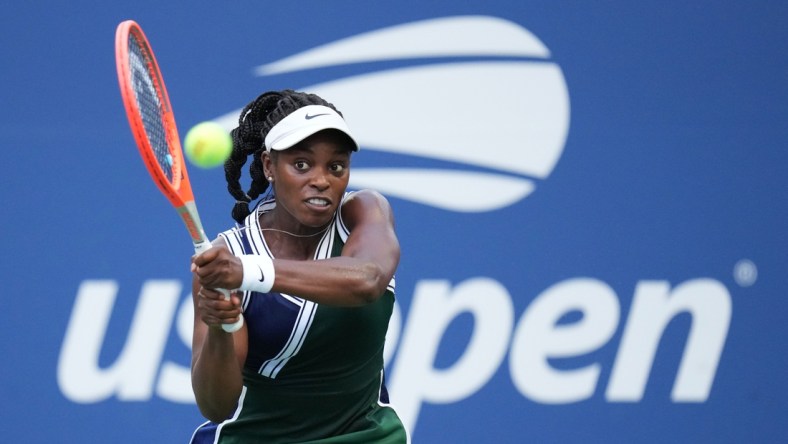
229, 328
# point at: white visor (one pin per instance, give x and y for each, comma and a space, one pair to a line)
304, 122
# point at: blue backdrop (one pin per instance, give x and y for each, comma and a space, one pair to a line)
590, 197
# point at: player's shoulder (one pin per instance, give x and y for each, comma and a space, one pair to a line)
366, 205
367, 198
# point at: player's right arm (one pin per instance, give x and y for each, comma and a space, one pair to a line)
217, 356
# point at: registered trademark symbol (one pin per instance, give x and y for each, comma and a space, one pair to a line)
745, 273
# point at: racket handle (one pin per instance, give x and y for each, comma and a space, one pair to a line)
229, 328
234, 327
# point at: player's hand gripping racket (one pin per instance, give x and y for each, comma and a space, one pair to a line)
153, 125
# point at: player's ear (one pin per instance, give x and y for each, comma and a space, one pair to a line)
267, 161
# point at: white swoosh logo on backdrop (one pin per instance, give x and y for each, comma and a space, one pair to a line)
508, 116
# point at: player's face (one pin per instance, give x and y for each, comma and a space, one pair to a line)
311, 178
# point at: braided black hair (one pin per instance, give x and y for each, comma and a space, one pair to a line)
256, 119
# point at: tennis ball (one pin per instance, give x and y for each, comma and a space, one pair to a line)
207, 145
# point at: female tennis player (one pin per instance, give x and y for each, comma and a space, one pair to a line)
314, 268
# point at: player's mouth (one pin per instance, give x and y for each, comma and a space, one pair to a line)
318, 202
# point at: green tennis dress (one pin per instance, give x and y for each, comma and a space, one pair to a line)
313, 373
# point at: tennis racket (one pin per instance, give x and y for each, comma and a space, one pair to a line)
153, 125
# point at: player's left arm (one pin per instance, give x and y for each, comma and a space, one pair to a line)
367, 264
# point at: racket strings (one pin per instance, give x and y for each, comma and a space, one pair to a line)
149, 104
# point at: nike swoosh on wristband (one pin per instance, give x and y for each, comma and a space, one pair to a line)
308, 117
262, 275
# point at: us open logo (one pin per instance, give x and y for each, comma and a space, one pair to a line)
491, 125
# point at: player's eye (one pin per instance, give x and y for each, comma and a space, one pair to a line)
301, 165
337, 168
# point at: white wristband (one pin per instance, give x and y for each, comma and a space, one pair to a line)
258, 273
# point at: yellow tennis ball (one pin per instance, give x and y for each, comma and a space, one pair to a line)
207, 145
